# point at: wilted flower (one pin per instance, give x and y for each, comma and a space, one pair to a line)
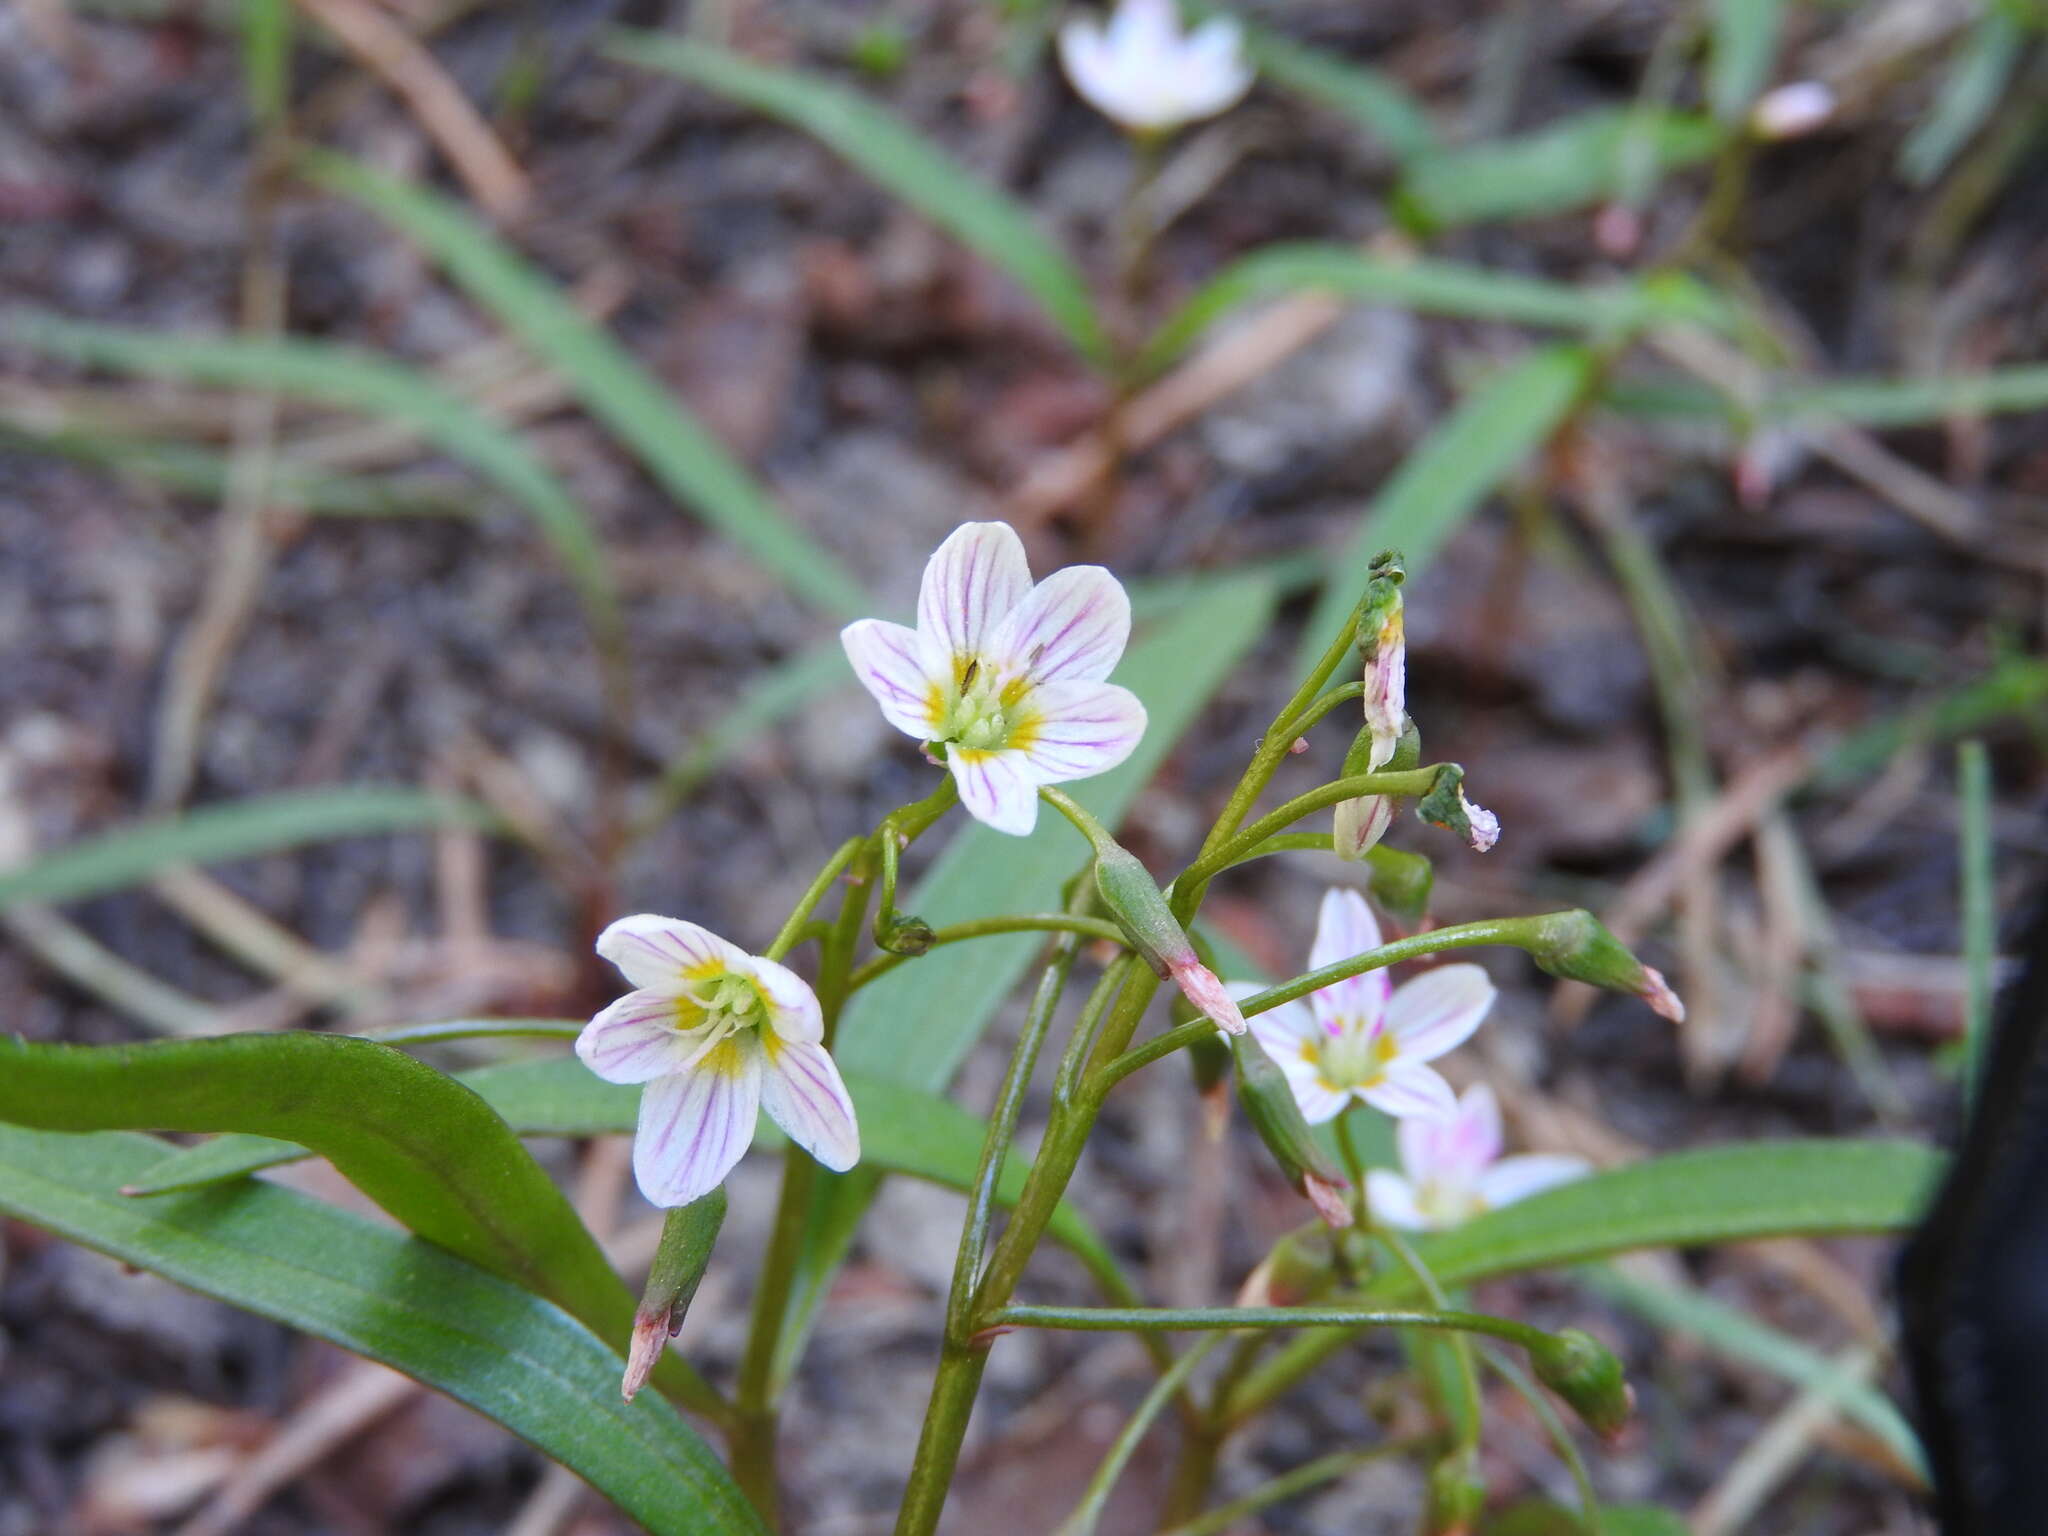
1145, 73
1452, 1170
1364, 1037
1383, 647
716, 1034
1009, 677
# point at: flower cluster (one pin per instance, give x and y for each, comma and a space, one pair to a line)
1366, 1039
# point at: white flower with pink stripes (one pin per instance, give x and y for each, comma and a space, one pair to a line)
1452, 1170
1009, 678
1364, 1037
717, 1035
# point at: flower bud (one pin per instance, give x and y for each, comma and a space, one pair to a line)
1586, 1374
1446, 806
687, 1236
1400, 882
901, 933
1457, 1493
1135, 902
1301, 1268
1269, 1104
1577, 946
1209, 1063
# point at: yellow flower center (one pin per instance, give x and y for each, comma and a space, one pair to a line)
1351, 1058
983, 710
723, 1004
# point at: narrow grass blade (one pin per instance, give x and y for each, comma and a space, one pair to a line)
1744, 47
2013, 688
1980, 908
1734, 1333
1570, 165
1428, 287
1447, 477
897, 158
674, 446
503, 1351
1369, 97
217, 834
1914, 402
351, 380
1977, 77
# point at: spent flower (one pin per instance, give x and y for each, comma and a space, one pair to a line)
1452, 1170
717, 1035
1383, 648
1143, 72
1009, 678
1363, 1037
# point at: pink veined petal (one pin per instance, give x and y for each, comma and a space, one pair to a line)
803, 1093
971, 583
1357, 825
1316, 1099
1517, 1178
1391, 1199
1282, 1030
634, 1040
1345, 928
1072, 627
694, 1125
1438, 1010
887, 660
996, 787
1458, 1149
1478, 1138
793, 1011
1077, 730
665, 953
1409, 1088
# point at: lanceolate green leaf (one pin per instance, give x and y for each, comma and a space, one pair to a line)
903, 1130
1725, 1194
675, 447
1977, 77
352, 380
1371, 98
1451, 473
1573, 164
899, 159
425, 1148
1745, 45
219, 833
1431, 287
505, 1352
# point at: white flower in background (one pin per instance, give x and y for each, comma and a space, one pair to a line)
1009, 677
1363, 1037
1143, 72
1791, 111
717, 1035
1452, 1170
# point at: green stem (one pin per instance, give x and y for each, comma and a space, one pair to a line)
1410, 781
938, 1444
1197, 1319
988, 927
1088, 1513
1521, 932
1555, 1427
1980, 910
1083, 819
1319, 707
792, 929
1466, 1422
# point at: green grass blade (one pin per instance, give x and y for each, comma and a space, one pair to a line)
1980, 908
1734, 1333
1369, 97
1745, 46
673, 445
1914, 402
1977, 77
1570, 165
1446, 478
899, 159
351, 380
1428, 287
220, 833
504, 1352
2013, 688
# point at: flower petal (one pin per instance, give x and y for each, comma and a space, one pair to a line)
803, 1093
1214, 74
1391, 1198
887, 660
1345, 928
971, 583
1077, 730
996, 787
666, 954
1456, 1150
1517, 1178
635, 1040
1438, 1010
694, 1125
1071, 627
793, 1011
1409, 1088
1280, 1030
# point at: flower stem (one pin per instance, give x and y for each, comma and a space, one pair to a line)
1194, 1319
793, 927
988, 927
